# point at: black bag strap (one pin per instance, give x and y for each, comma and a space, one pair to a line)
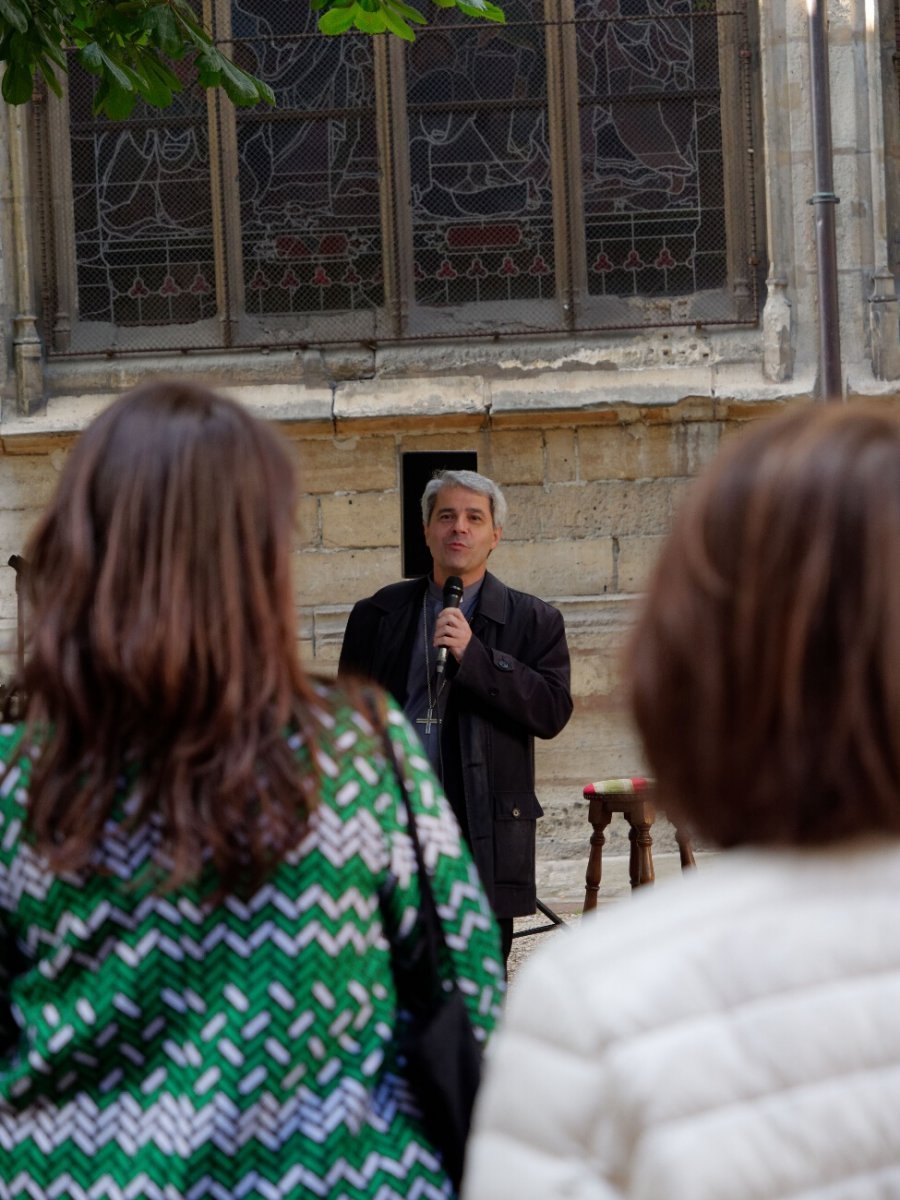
431, 921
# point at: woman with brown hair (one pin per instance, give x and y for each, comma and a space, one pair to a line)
205, 856
737, 1036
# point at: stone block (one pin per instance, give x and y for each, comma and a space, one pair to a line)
636, 559
7, 592
342, 576
15, 526
687, 407
349, 464
635, 451
590, 747
571, 567
323, 660
560, 456
733, 429
364, 519
439, 400
611, 507
319, 657
426, 442
7, 648
308, 521
324, 625
753, 411
557, 391
292, 402
597, 673
29, 481
515, 457
595, 623
646, 451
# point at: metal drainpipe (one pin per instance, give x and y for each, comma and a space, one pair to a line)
824, 200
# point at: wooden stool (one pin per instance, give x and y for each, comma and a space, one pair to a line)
633, 797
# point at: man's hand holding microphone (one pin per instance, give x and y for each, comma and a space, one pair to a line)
452, 632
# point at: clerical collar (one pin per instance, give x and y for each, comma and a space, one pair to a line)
469, 596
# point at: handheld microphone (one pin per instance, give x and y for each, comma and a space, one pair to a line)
453, 594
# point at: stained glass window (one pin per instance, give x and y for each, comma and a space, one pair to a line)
567, 170
308, 169
651, 146
143, 210
480, 160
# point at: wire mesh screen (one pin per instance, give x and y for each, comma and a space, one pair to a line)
586, 169
479, 162
310, 222
143, 214
651, 144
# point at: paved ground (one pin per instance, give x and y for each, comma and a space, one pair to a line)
560, 880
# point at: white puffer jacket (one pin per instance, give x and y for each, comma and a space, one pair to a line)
732, 1036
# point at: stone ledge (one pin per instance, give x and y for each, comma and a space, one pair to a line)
66, 416
375, 403
518, 388
585, 617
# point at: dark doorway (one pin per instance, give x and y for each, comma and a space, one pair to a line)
417, 469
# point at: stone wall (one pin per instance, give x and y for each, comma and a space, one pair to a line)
591, 496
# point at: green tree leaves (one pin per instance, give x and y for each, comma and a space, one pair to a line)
130, 45
391, 16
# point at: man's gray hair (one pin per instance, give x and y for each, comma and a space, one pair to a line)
474, 483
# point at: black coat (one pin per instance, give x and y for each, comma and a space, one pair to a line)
512, 686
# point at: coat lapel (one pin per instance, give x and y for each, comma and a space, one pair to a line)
398, 627
490, 616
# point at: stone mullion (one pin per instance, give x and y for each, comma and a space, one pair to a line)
58, 151
395, 195
565, 159
224, 186
26, 342
734, 62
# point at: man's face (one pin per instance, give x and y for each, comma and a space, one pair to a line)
460, 534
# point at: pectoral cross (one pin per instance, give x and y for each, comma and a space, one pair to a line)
428, 720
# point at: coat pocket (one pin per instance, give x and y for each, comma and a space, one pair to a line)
515, 814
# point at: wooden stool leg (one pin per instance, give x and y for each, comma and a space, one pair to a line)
599, 818
634, 865
685, 849
641, 857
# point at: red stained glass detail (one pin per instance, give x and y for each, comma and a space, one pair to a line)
333, 244
418, 273
602, 263
539, 267
633, 262
446, 270
665, 259
351, 276
259, 282
477, 269
138, 288
320, 278
288, 246
508, 267
289, 280
200, 286
169, 287
478, 237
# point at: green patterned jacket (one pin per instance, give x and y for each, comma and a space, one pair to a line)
157, 1047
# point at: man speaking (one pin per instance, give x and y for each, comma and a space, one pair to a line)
481, 670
